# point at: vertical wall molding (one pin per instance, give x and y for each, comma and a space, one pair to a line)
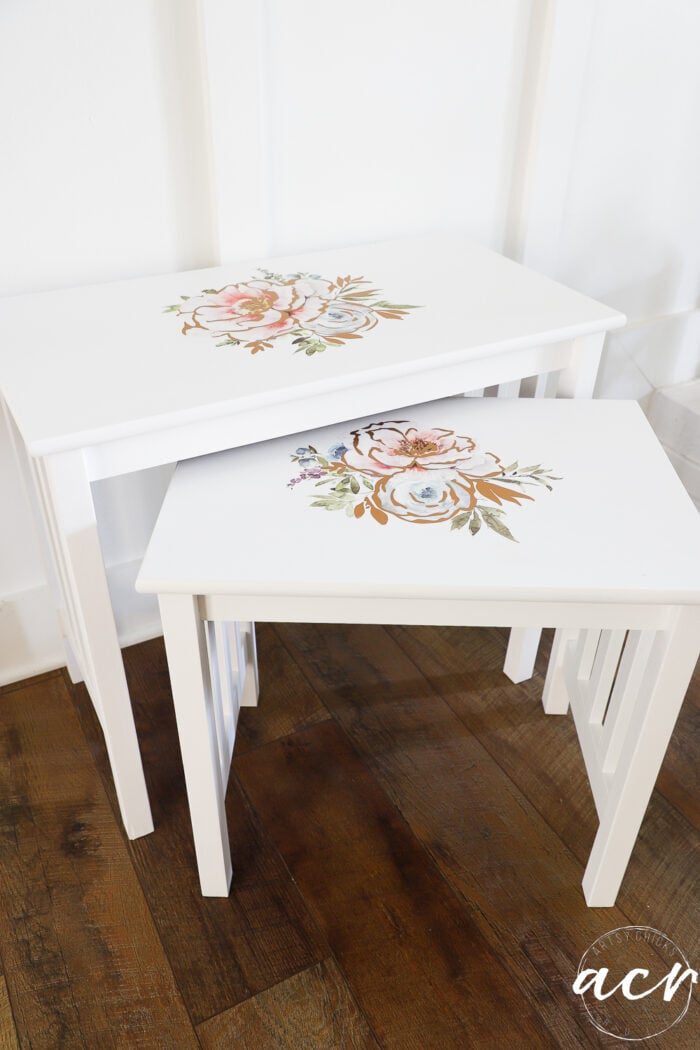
559, 49
233, 44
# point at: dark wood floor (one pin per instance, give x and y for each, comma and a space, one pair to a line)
409, 837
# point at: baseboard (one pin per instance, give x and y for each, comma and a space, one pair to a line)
30, 640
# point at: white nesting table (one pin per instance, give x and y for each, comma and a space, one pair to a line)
461, 512
100, 381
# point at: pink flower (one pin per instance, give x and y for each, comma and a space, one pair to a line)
384, 449
253, 311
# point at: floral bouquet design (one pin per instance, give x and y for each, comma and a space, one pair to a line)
396, 469
314, 312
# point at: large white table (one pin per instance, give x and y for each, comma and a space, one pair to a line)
101, 381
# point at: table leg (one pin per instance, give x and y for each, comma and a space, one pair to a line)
73, 527
202, 758
578, 379
521, 653
669, 668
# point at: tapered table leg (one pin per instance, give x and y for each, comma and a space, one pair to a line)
69, 505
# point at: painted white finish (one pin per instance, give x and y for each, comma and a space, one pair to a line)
91, 629
451, 135
472, 302
235, 542
188, 663
122, 416
258, 511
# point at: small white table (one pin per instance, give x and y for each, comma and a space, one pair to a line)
100, 381
461, 512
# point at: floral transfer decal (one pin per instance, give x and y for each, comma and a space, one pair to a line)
395, 469
314, 312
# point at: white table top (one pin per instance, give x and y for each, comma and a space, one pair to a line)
88, 365
617, 525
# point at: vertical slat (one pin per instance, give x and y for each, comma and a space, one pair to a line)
240, 659
216, 694
510, 389
604, 667
628, 684
579, 377
672, 659
250, 691
589, 643
546, 384
229, 693
555, 695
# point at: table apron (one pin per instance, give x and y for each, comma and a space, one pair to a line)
452, 612
156, 447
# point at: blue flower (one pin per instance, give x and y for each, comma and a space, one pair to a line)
336, 451
302, 451
424, 492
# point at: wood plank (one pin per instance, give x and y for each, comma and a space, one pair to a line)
312, 1009
489, 842
411, 953
8, 1032
222, 951
83, 962
36, 679
541, 755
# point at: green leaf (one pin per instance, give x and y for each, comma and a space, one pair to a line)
475, 523
208, 291
329, 504
368, 484
460, 520
354, 485
169, 309
511, 466
497, 525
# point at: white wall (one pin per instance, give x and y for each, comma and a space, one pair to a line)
561, 131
